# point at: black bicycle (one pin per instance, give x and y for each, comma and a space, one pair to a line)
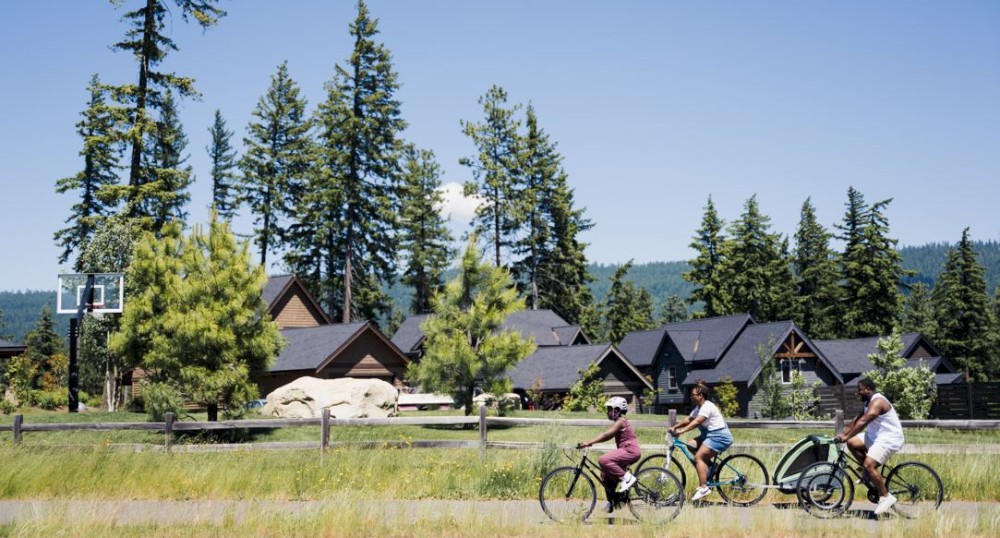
827, 489
570, 493
740, 478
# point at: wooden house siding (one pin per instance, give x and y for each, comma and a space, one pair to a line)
367, 356
293, 312
920, 352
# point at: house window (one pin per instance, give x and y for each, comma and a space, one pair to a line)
672, 378
787, 367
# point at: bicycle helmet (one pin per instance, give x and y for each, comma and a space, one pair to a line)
617, 402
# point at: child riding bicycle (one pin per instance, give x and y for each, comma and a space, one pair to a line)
614, 464
714, 437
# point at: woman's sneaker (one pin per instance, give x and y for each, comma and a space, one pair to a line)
627, 481
700, 493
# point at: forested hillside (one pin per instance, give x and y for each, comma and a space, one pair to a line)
662, 279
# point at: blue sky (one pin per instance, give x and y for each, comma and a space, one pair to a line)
655, 105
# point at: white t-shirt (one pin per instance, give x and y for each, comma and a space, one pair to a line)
884, 428
713, 417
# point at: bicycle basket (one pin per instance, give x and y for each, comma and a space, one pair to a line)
802, 454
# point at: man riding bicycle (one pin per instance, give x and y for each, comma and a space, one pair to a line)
882, 438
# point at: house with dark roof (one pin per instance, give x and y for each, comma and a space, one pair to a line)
290, 305
850, 357
551, 370
724, 349
10, 349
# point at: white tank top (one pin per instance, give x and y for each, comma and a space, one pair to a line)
885, 428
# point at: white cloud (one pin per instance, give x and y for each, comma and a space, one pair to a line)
456, 206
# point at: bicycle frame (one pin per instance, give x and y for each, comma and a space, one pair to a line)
675, 443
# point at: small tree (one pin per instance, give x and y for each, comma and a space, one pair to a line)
802, 400
464, 346
726, 397
773, 403
39, 375
911, 390
586, 392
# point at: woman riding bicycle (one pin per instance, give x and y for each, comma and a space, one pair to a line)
714, 436
614, 464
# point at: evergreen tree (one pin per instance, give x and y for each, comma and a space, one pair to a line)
627, 308
100, 155
167, 169
551, 266
911, 390
496, 170
149, 45
213, 330
357, 189
39, 375
424, 236
707, 272
276, 160
223, 158
463, 344
918, 314
963, 311
816, 288
673, 310
871, 270
759, 280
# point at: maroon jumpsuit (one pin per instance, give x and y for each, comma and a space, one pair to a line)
614, 463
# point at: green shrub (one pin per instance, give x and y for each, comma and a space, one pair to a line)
7, 407
50, 400
161, 398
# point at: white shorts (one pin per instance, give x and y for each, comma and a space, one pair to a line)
878, 450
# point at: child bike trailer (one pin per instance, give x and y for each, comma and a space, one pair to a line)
801, 455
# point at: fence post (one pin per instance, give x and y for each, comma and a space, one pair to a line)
838, 421
18, 419
482, 432
168, 431
968, 393
324, 442
671, 418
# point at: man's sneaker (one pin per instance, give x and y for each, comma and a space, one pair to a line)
627, 481
700, 493
884, 503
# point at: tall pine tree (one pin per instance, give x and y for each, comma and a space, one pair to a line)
275, 160
357, 187
627, 308
963, 311
918, 312
223, 156
101, 154
759, 278
707, 272
167, 167
816, 291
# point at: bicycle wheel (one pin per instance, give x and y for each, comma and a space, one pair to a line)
567, 494
657, 496
917, 489
824, 490
656, 461
741, 479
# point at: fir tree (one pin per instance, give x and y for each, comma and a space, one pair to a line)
43, 366
276, 160
673, 310
759, 280
223, 158
963, 311
707, 272
627, 308
463, 343
167, 195
424, 236
918, 313
100, 155
149, 45
357, 186
816, 289
496, 170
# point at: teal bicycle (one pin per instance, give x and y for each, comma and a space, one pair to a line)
741, 479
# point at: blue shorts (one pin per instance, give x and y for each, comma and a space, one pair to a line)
718, 440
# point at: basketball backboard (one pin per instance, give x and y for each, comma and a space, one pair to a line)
108, 294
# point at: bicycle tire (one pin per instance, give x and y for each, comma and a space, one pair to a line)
742, 479
824, 490
567, 494
656, 461
917, 488
657, 496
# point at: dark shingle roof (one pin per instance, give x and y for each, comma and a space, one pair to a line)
640, 347
741, 361
275, 285
714, 335
850, 357
310, 347
409, 336
558, 367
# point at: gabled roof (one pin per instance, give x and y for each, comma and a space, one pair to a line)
280, 285
558, 367
706, 340
641, 347
545, 326
850, 356
409, 336
312, 348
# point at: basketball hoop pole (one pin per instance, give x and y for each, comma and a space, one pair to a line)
74, 336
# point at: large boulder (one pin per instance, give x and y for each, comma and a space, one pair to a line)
307, 397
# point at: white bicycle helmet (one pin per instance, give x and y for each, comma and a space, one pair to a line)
617, 402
